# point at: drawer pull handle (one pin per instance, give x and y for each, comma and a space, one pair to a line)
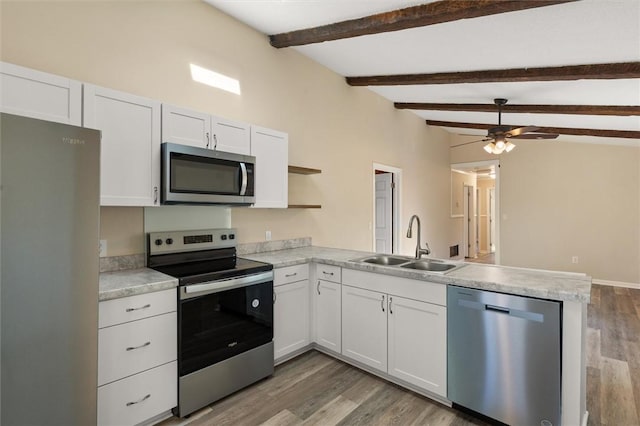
291, 275
131, 348
382, 303
318, 287
144, 398
327, 273
148, 305
390, 302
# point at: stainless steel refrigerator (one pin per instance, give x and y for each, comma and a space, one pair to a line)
49, 225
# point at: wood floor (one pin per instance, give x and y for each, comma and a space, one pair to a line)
315, 389
488, 258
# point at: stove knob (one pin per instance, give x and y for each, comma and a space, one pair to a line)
158, 242
169, 241
223, 237
232, 236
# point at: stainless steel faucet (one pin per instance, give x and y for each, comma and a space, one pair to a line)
419, 251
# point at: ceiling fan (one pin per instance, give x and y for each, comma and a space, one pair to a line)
499, 135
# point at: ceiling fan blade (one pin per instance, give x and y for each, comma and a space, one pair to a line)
536, 136
469, 143
520, 130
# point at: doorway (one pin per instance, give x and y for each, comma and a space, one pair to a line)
386, 208
478, 225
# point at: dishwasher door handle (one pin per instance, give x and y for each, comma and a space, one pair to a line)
497, 309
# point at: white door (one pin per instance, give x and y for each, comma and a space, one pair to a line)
364, 326
384, 208
40, 95
290, 317
231, 136
130, 149
418, 343
185, 127
328, 322
271, 149
492, 219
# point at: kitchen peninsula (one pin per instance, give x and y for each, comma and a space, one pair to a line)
316, 269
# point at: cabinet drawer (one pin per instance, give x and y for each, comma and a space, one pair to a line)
130, 348
329, 273
118, 311
290, 274
138, 398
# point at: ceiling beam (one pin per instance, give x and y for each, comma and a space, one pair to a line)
627, 134
570, 72
621, 110
411, 17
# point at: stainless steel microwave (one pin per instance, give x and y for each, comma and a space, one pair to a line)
192, 175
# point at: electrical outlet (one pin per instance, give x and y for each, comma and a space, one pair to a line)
574, 259
103, 248
267, 235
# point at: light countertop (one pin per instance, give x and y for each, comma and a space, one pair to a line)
114, 285
551, 285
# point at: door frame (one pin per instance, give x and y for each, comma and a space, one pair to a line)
396, 209
496, 163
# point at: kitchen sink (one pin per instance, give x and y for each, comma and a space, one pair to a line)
384, 259
430, 265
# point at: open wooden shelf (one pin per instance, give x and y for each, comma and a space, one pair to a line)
305, 206
303, 170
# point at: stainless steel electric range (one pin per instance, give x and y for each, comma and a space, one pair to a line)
225, 313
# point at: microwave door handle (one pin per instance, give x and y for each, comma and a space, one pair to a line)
243, 185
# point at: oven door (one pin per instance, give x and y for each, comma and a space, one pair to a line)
192, 175
221, 319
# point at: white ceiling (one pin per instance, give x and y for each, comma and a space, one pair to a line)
577, 33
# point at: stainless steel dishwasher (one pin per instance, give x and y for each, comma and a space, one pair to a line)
504, 356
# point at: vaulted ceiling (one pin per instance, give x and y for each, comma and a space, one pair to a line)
568, 67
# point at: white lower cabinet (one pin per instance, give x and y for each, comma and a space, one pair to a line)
290, 311
138, 398
417, 343
397, 326
364, 326
137, 358
328, 325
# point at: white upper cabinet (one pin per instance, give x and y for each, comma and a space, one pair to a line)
36, 94
271, 149
231, 136
188, 127
130, 154
185, 127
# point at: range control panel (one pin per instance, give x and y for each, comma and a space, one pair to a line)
182, 241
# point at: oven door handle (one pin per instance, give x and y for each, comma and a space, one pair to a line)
195, 290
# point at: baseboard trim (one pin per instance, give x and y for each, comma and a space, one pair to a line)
616, 284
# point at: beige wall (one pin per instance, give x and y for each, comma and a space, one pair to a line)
563, 199
145, 48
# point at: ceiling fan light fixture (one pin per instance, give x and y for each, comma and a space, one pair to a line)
509, 146
489, 148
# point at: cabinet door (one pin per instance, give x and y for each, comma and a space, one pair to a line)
231, 136
271, 150
364, 326
418, 343
328, 324
36, 94
290, 318
186, 127
130, 153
